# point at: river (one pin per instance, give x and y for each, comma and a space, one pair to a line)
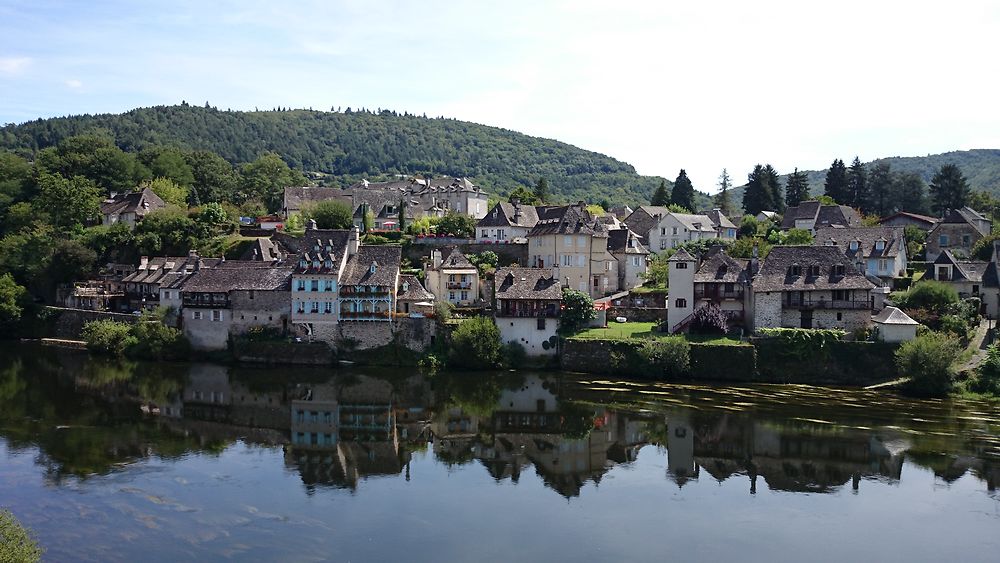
109, 461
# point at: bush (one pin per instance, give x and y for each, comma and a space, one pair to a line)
514, 355
930, 294
476, 344
988, 375
156, 341
457, 225
442, 310
111, 338
665, 357
330, 214
16, 544
578, 310
927, 361
710, 319
802, 343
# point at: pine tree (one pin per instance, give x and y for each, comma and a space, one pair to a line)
683, 192
758, 195
857, 186
880, 191
796, 188
660, 197
774, 189
911, 193
949, 189
542, 190
836, 182
722, 200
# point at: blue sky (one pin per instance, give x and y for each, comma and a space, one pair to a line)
661, 85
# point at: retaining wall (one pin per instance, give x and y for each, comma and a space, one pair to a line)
67, 323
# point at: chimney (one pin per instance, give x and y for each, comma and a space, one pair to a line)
354, 243
197, 265
435, 259
143, 262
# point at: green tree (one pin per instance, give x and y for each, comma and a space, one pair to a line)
15, 183
682, 193
880, 186
457, 225
577, 311
16, 544
722, 199
796, 188
928, 361
542, 190
774, 185
759, 193
95, 158
172, 165
660, 197
213, 214
110, 338
214, 178
170, 232
266, 179
949, 189
790, 237
69, 203
168, 190
13, 300
857, 186
475, 344
836, 186
524, 196
330, 214
911, 193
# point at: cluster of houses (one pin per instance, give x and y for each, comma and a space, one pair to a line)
315, 285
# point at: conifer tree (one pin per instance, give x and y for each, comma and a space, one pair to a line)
835, 186
542, 190
722, 200
880, 182
683, 192
949, 189
796, 188
758, 195
660, 197
773, 186
911, 193
857, 186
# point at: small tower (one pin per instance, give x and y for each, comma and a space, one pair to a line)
681, 268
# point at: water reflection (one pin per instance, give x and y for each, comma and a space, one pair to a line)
337, 429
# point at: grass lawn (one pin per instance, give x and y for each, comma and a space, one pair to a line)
624, 331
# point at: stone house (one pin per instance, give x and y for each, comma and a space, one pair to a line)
812, 215
526, 308
958, 232
573, 244
369, 283
661, 228
453, 278
810, 287
412, 298
506, 223
322, 257
130, 208
631, 257
157, 280
723, 280
232, 297
723, 225
877, 251
970, 278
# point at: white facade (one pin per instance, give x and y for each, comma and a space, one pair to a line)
680, 300
675, 229
532, 333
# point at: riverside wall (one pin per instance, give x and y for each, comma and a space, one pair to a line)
65, 323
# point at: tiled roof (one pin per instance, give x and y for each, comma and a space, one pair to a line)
385, 258
719, 219
893, 316
775, 273
157, 270
454, 259
263, 249
139, 203
414, 290
719, 267
866, 239
975, 271
568, 220
527, 283
618, 242
505, 214
241, 275
681, 256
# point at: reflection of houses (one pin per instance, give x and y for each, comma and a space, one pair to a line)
207, 394
680, 448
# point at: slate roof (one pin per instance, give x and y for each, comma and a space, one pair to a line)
298, 197
527, 283
569, 220
332, 244
719, 219
719, 267
967, 215
139, 203
414, 289
930, 221
158, 270
643, 219
241, 275
263, 249
824, 215
774, 272
505, 214
893, 316
386, 259
682, 256
974, 271
865, 237
420, 185
454, 259
618, 242
696, 223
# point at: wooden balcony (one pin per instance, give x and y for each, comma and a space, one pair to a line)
825, 304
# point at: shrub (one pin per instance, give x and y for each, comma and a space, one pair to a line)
928, 294
330, 214
442, 310
16, 543
955, 325
802, 343
927, 361
666, 357
108, 337
514, 355
710, 319
578, 310
988, 375
476, 344
155, 341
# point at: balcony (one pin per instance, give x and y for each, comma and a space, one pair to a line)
459, 285
204, 300
720, 295
351, 293
825, 304
529, 313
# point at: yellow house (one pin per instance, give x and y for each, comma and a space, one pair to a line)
573, 244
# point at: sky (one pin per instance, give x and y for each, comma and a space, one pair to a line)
662, 85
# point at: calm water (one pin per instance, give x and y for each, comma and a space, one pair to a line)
201, 462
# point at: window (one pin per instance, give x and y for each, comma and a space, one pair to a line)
840, 295
568, 240
839, 270
880, 245
314, 285
328, 264
795, 270
328, 285
814, 271
580, 260
942, 273
637, 260
663, 244
975, 289
567, 259
682, 266
314, 308
251, 294
327, 308
681, 303
675, 230
840, 316
943, 240
465, 296
966, 240
854, 245
316, 264
196, 315
301, 307
216, 315
581, 241
541, 323
451, 296
729, 288
663, 231
485, 233
883, 265
301, 285
303, 264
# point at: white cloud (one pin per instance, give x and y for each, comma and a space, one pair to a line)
74, 84
13, 65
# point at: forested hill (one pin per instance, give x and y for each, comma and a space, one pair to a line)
347, 146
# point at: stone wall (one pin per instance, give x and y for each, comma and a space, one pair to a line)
67, 323
508, 253
842, 363
301, 353
638, 314
767, 310
708, 362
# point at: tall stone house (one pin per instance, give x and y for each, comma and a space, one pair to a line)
451, 277
506, 223
813, 215
631, 258
574, 245
662, 229
957, 232
157, 280
369, 284
526, 307
130, 208
323, 255
877, 251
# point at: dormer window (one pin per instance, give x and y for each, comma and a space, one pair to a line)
316, 248
854, 245
406, 287
814, 271
316, 264
880, 245
373, 267
328, 264
795, 270
839, 270
303, 264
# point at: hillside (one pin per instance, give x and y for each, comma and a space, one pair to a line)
343, 147
980, 166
